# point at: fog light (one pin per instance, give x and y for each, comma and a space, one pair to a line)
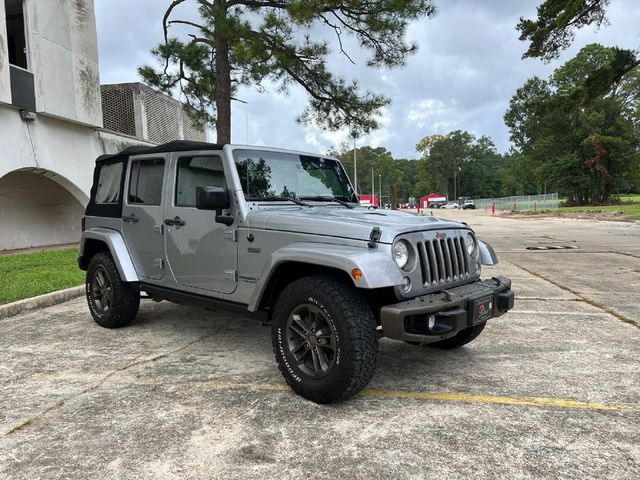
407, 284
432, 321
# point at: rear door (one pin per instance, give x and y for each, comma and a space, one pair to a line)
143, 214
202, 253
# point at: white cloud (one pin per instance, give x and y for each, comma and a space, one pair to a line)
467, 68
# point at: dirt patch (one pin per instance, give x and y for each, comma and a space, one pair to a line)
585, 215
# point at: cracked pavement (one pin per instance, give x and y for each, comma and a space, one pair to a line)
191, 393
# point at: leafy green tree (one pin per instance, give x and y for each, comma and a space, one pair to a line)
518, 177
443, 161
554, 29
366, 158
407, 188
585, 147
381, 160
480, 176
426, 179
391, 179
247, 42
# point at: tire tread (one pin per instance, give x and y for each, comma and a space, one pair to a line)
126, 298
356, 317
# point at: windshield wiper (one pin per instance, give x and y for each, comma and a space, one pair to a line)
277, 198
328, 199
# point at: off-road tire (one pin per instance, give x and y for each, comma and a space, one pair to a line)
462, 338
355, 339
125, 298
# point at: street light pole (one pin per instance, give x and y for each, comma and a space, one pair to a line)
380, 187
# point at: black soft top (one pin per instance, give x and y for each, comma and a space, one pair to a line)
175, 146
114, 210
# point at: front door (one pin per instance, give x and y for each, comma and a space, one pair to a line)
143, 215
201, 253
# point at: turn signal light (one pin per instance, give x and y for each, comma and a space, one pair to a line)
356, 273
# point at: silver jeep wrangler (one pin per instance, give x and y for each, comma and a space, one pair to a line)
280, 235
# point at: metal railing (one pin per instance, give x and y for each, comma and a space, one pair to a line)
548, 201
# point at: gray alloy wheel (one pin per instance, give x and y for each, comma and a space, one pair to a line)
324, 338
112, 302
311, 339
101, 291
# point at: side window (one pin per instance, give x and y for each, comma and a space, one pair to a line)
145, 182
197, 172
108, 190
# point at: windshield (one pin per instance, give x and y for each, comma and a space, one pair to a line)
267, 175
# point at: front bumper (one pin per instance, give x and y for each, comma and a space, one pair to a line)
454, 310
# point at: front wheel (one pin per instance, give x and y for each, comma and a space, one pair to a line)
324, 338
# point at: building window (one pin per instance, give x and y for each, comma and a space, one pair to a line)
16, 33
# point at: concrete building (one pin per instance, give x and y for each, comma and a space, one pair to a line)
140, 111
51, 120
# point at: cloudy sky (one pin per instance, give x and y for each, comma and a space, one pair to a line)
466, 69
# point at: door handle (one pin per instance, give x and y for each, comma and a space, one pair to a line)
176, 222
130, 218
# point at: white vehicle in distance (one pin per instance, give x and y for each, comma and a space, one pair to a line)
450, 205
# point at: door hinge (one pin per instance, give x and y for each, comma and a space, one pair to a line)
231, 275
231, 235
159, 263
159, 229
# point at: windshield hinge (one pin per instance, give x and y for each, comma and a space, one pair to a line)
374, 237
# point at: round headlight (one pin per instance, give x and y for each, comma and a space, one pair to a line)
470, 243
401, 253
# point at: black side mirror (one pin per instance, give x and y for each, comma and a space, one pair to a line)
214, 198
211, 198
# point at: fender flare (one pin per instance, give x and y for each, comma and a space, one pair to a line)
378, 268
117, 247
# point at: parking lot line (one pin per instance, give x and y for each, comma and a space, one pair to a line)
494, 399
427, 396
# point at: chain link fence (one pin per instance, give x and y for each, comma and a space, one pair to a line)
548, 201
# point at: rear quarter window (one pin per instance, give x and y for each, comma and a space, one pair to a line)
108, 189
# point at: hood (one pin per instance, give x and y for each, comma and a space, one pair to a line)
339, 221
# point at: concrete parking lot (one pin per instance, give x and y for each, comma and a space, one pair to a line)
551, 390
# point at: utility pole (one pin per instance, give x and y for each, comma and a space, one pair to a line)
455, 184
373, 188
380, 187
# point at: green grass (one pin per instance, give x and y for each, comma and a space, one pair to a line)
31, 274
631, 211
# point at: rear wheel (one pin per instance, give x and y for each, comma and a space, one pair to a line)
461, 338
113, 303
324, 338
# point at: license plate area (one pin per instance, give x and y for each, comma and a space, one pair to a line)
482, 309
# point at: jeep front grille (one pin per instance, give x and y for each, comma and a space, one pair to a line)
443, 261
